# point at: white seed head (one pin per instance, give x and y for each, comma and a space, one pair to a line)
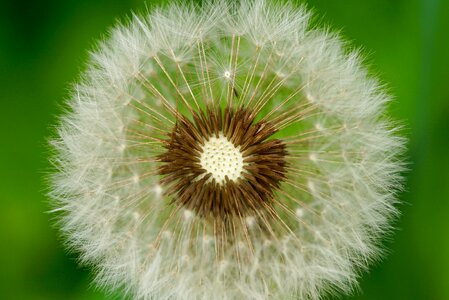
228, 151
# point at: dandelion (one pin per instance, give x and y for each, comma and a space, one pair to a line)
228, 151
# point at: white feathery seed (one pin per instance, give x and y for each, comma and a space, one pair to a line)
324, 222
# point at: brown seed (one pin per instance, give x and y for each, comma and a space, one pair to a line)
244, 166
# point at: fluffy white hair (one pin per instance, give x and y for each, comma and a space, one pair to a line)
343, 161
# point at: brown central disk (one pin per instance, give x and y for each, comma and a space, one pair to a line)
195, 188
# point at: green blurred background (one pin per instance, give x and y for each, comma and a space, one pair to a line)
43, 49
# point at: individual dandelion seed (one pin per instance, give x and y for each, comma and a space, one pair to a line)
227, 151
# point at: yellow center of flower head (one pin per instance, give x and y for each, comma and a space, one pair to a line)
224, 163
222, 159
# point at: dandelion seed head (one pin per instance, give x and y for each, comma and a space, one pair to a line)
227, 151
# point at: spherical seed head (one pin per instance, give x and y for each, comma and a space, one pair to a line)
144, 185
221, 159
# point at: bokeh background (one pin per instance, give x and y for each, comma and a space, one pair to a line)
44, 47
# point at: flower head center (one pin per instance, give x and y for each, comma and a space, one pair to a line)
223, 162
221, 159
